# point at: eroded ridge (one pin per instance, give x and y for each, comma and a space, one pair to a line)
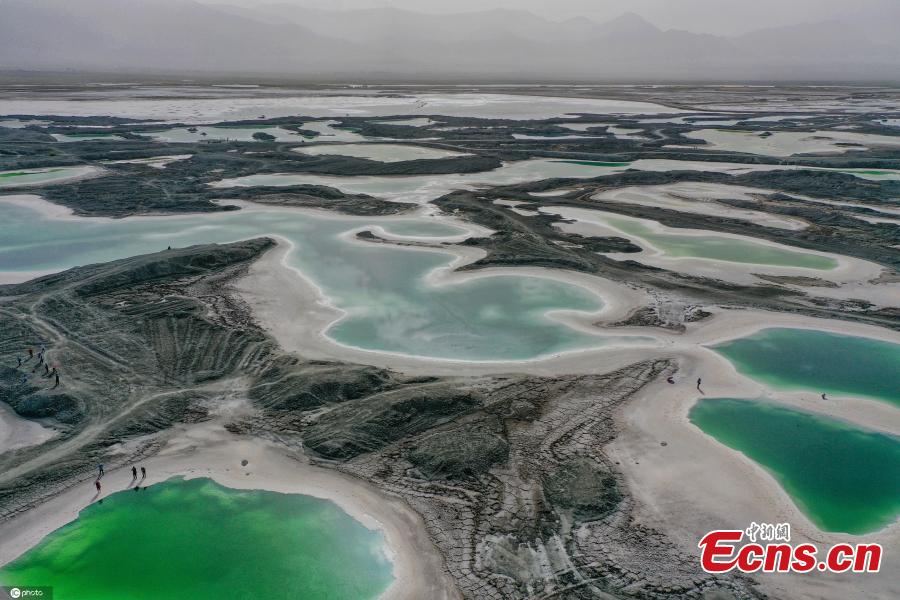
508, 472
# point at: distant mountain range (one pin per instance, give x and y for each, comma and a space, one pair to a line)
182, 36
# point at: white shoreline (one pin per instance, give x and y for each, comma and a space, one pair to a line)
696, 484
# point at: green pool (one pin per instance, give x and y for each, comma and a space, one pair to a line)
843, 478
818, 361
198, 540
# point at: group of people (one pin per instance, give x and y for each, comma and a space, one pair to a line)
53, 372
42, 361
134, 476
671, 379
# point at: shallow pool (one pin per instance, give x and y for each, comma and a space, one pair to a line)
388, 294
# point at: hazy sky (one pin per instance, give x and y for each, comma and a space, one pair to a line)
701, 16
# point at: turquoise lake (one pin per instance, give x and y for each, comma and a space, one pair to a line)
818, 361
389, 304
842, 477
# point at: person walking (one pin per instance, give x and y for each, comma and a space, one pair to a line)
56, 385
133, 472
99, 471
143, 473
699, 381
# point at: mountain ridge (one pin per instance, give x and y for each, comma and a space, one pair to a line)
185, 36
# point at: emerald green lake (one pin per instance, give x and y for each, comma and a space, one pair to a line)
389, 302
843, 478
198, 540
818, 361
